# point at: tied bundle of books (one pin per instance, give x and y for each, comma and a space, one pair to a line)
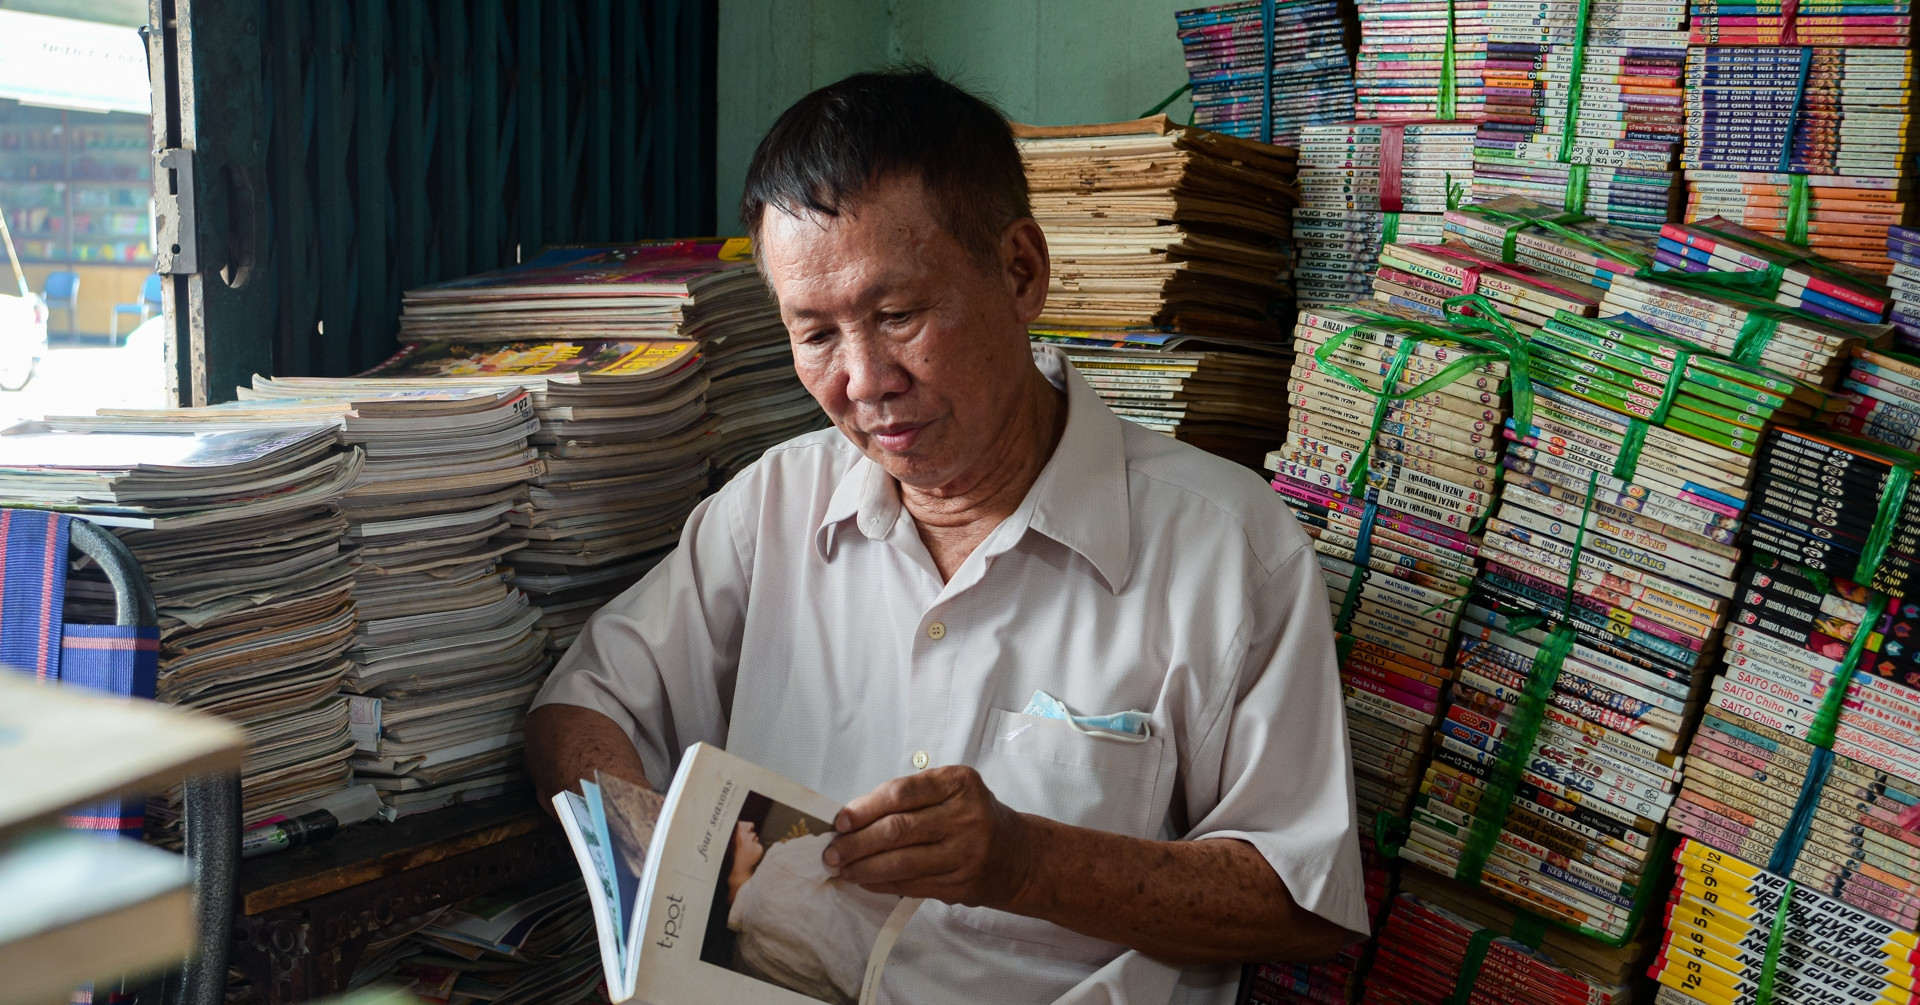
240, 534
1885, 398
1220, 401
1308, 81
1807, 281
701, 290
1390, 488
1737, 321
1433, 928
1352, 201
1829, 214
1819, 23
446, 655
1903, 283
1608, 575
624, 439
1810, 111
1420, 59
1337, 981
1584, 106
1155, 225
1422, 277
1518, 230
1733, 926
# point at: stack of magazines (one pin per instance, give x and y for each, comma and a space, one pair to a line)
241, 536
1155, 225
704, 291
1340, 225
1226, 54
624, 436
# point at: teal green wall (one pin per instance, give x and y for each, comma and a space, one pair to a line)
1049, 62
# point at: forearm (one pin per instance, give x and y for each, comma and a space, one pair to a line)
1182, 902
566, 743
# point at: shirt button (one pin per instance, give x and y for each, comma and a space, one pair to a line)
919, 759
937, 631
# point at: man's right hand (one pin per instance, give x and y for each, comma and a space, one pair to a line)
566, 743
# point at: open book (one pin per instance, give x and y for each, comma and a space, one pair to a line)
716, 891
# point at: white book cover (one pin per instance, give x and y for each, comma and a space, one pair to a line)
717, 892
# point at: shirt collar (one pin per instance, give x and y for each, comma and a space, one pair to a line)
1079, 500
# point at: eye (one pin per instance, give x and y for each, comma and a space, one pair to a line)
896, 318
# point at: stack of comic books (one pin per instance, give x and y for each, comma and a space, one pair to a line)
1722, 915
1884, 398
1635, 557
1156, 225
1423, 277
1903, 282
1809, 282
1392, 506
1309, 79
1432, 926
1418, 57
1597, 253
1337, 981
1340, 225
1621, 119
1820, 23
1846, 216
1810, 349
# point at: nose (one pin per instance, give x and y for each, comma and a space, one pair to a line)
873, 370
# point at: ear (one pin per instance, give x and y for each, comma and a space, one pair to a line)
1024, 262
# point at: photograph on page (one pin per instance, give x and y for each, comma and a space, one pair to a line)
779, 915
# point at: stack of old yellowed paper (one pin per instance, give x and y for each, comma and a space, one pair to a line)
1152, 224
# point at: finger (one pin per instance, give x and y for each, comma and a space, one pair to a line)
901, 795
893, 831
918, 868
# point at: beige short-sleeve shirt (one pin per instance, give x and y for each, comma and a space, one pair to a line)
803, 625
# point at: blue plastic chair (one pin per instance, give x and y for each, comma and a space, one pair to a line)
147, 306
124, 659
62, 293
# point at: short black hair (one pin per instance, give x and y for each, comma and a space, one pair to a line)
833, 144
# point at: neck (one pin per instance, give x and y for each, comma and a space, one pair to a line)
955, 517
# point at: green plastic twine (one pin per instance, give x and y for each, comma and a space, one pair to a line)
1523, 729
1389, 228
1578, 66
1797, 209
1885, 520
1576, 200
1562, 225
1448, 86
1470, 965
1763, 994
1635, 439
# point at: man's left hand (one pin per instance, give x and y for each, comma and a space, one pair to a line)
938, 834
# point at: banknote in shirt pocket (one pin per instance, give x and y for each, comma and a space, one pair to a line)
1047, 767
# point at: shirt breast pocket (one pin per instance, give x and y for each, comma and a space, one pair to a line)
1049, 768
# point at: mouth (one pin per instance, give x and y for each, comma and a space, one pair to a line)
897, 437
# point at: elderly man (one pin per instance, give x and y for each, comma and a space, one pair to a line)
918, 610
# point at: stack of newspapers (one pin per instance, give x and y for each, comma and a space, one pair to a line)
1155, 225
704, 291
1392, 506
623, 441
1309, 78
446, 654
241, 536
1351, 204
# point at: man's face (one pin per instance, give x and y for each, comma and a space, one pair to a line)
914, 347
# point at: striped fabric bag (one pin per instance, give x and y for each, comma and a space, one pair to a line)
34, 639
